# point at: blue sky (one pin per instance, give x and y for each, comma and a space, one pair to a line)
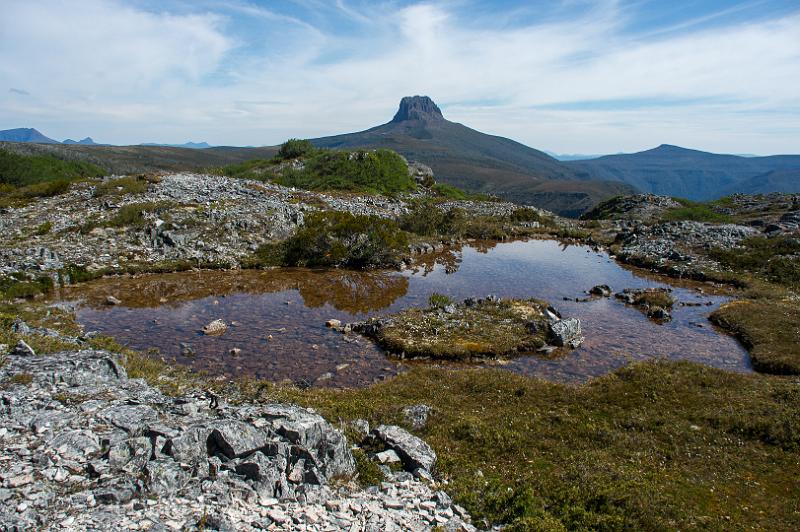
571, 76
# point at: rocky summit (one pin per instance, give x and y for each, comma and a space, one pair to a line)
420, 108
87, 448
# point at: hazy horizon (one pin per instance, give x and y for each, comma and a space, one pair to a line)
571, 77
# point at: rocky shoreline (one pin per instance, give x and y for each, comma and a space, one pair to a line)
85, 447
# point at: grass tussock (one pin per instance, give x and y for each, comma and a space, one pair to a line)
654, 298
770, 328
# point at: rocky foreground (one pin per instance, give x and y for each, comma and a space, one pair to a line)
87, 448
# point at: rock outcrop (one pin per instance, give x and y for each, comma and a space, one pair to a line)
87, 447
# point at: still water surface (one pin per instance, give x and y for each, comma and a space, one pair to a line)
278, 317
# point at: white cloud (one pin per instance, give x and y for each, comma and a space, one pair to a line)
133, 75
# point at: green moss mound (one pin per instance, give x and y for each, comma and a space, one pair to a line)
478, 329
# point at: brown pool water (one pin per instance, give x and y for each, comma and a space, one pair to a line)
277, 317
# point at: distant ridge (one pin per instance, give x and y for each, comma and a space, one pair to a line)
675, 171
25, 134
84, 142
190, 145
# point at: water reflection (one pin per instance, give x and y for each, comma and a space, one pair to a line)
278, 316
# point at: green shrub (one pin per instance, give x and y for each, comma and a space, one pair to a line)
449, 191
43, 190
526, 214
134, 214
367, 471
43, 228
294, 148
24, 170
374, 172
16, 286
695, 212
339, 239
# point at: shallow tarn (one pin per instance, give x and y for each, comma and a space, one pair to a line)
277, 317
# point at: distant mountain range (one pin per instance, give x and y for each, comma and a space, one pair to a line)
693, 174
189, 145
84, 142
478, 162
29, 134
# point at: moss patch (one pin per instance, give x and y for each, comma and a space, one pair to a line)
655, 446
769, 328
482, 329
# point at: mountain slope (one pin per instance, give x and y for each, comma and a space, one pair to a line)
693, 174
135, 159
25, 134
476, 161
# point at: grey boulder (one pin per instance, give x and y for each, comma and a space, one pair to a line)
414, 452
566, 332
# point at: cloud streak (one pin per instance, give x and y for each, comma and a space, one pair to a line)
249, 75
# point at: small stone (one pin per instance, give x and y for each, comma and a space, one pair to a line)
333, 324
235, 352
19, 480
277, 516
387, 457
111, 301
23, 349
215, 328
602, 290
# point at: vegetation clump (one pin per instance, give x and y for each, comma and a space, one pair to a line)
136, 184
24, 177
294, 148
368, 473
439, 301
695, 212
775, 259
475, 329
18, 285
339, 239
769, 328
299, 164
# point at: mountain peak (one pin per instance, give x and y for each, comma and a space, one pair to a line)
418, 108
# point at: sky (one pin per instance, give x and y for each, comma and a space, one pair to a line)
569, 76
